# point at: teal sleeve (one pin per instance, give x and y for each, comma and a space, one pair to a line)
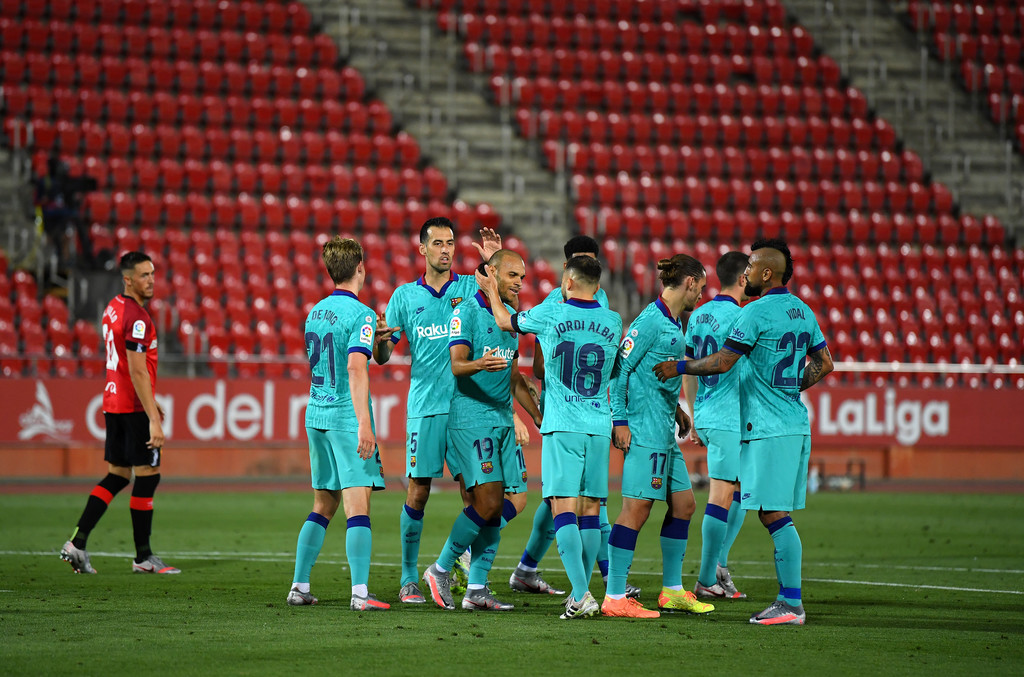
628, 357
360, 338
531, 321
460, 328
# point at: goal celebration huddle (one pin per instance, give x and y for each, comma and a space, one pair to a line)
741, 368
739, 360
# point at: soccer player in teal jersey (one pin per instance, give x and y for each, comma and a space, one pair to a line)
645, 414
715, 403
786, 354
343, 457
580, 339
525, 577
485, 362
420, 311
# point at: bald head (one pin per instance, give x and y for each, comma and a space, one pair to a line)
510, 270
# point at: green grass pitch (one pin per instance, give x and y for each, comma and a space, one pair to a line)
893, 584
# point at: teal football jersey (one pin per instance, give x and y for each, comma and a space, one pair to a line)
775, 332
423, 314
639, 399
556, 295
580, 343
717, 405
483, 399
336, 326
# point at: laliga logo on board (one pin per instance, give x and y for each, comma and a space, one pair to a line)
908, 420
39, 420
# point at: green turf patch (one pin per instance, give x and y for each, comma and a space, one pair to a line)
893, 584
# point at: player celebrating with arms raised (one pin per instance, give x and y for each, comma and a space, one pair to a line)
421, 310
645, 414
343, 457
786, 354
580, 340
485, 362
135, 435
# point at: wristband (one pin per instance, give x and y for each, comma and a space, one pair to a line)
681, 367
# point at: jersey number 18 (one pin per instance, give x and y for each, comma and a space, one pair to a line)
581, 370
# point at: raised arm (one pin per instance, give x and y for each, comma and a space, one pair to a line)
819, 363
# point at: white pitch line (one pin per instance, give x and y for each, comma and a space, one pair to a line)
257, 556
289, 557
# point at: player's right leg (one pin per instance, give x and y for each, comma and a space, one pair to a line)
468, 524
425, 451
563, 468
119, 473
326, 481
621, 547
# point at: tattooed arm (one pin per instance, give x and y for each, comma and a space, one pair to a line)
819, 364
718, 363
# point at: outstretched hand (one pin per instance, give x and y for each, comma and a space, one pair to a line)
490, 242
665, 370
384, 332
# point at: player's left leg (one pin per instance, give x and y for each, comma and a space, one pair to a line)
674, 535
359, 546
147, 477
491, 503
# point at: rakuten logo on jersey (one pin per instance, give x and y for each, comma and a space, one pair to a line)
504, 353
906, 420
433, 332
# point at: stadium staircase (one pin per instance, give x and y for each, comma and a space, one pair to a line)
924, 100
414, 67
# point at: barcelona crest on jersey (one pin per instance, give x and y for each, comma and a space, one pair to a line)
487, 467
656, 483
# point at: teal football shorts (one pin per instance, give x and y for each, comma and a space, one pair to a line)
485, 454
723, 453
652, 474
773, 473
334, 462
426, 447
574, 464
